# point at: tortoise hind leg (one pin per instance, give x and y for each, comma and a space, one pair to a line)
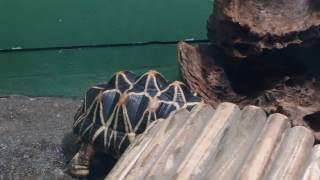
80, 163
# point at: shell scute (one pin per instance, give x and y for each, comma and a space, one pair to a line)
136, 106
108, 103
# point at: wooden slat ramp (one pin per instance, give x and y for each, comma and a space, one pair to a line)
222, 144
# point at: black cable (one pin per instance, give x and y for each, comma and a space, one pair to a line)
146, 43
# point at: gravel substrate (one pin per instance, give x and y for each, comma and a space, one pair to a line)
31, 132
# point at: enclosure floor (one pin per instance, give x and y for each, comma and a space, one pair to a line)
31, 130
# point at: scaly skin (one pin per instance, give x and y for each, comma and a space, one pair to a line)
80, 163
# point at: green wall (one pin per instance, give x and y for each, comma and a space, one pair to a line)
44, 23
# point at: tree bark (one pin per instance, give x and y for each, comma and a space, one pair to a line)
244, 28
272, 82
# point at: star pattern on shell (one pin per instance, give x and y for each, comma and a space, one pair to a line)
114, 113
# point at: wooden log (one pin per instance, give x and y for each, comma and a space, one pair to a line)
208, 142
150, 151
143, 145
223, 144
315, 152
313, 169
181, 144
260, 157
291, 160
236, 144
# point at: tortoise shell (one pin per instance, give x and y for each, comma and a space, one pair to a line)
113, 114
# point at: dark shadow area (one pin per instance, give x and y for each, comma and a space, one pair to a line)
316, 5
313, 120
101, 166
253, 75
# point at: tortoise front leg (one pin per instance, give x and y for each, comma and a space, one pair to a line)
80, 163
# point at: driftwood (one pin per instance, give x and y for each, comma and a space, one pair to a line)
259, 160
293, 155
225, 143
273, 84
244, 28
313, 170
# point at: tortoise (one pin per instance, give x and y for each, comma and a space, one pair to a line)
112, 114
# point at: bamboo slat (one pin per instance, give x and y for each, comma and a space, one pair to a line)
222, 144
